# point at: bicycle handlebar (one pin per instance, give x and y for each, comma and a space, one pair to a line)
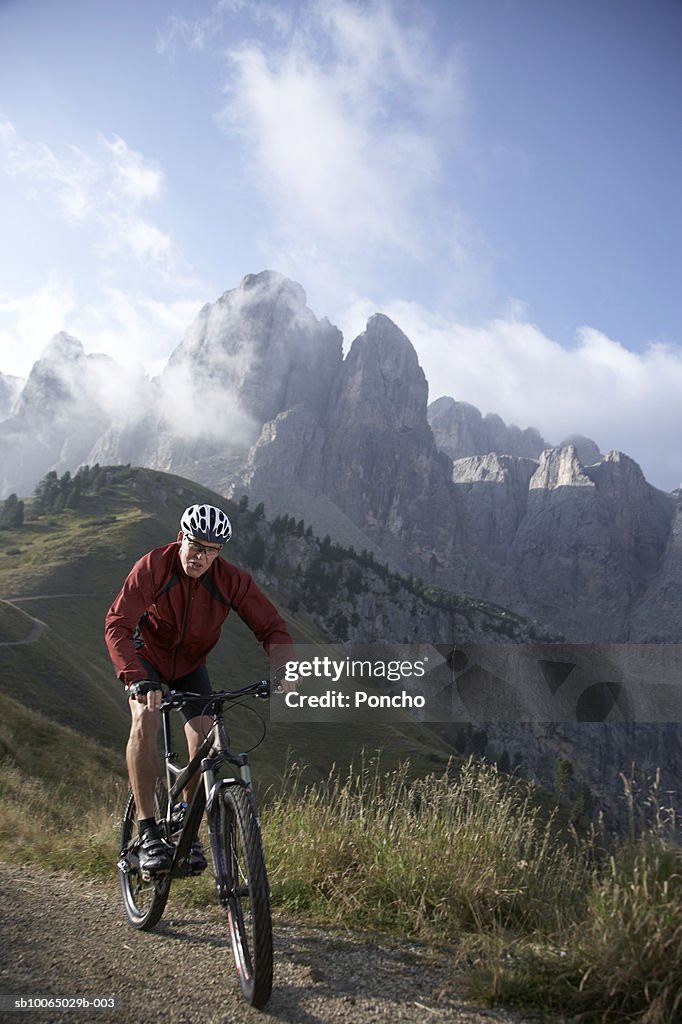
176, 698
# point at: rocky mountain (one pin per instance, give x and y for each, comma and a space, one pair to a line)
460, 430
259, 400
255, 352
583, 543
575, 547
368, 463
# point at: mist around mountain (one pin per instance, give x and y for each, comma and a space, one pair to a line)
10, 389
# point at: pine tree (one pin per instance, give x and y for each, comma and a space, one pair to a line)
11, 513
254, 556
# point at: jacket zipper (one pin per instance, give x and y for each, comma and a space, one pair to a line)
184, 626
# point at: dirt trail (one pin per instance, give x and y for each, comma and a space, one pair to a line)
62, 936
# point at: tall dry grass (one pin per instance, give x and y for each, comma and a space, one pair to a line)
431, 857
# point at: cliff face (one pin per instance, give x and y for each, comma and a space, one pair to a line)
367, 469
382, 466
460, 431
657, 616
591, 542
254, 353
260, 344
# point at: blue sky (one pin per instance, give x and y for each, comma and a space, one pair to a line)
501, 177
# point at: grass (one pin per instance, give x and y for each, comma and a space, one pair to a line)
425, 857
535, 915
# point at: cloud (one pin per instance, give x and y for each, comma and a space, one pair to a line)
133, 294
129, 325
107, 188
133, 327
340, 119
197, 33
37, 315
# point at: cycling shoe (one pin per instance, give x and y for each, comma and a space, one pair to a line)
153, 853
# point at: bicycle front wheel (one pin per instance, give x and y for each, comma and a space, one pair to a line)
144, 901
248, 901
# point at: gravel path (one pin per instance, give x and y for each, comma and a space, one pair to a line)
62, 936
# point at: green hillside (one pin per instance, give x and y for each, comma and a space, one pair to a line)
59, 573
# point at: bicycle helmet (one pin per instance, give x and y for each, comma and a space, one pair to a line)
206, 522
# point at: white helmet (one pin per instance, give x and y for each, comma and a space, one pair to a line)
206, 522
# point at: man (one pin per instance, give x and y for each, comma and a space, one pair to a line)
162, 625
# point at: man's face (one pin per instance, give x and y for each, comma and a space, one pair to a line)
196, 556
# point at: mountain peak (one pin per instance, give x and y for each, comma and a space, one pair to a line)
382, 382
560, 467
273, 285
63, 347
258, 350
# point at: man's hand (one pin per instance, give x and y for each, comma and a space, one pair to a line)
146, 692
285, 679
288, 685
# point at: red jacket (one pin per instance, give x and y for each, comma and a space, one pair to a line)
174, 621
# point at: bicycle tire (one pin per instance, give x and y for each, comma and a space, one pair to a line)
143, 901
248, 903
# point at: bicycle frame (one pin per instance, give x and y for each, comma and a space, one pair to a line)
213, 753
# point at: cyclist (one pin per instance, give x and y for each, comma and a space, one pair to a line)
163, 623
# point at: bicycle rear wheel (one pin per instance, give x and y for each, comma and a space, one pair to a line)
144, 901
248, 903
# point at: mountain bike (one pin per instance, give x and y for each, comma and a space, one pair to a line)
235, 840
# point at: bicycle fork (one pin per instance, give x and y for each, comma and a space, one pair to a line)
214, 789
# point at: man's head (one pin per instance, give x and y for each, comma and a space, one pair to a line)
204, 530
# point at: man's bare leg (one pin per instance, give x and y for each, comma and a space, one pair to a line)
142, 756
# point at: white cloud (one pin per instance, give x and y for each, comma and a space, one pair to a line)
68, 180
107, 188
136, 330
32, 320
341, 121
132, 295
133, 328
134, 176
